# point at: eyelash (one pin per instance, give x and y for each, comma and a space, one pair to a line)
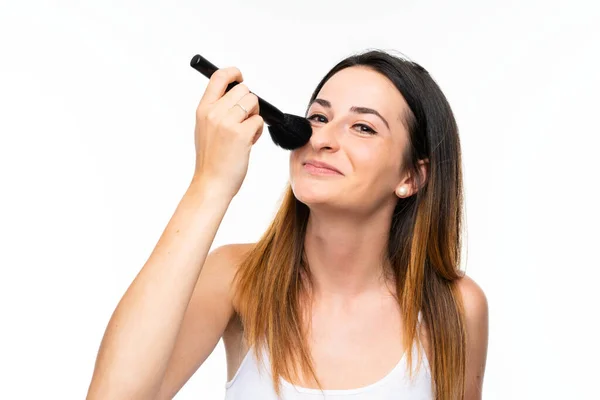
369, 130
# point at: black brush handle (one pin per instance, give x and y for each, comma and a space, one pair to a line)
271, 114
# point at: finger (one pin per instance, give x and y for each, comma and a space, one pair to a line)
254, 125
258, 134
248, 102
218, 82
231, 98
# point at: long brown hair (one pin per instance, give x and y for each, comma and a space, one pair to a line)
424, 246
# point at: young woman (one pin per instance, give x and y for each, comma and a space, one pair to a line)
353, 292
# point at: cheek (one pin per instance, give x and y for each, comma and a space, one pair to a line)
375, 168
364, 156
295, 168
295, 156
367, 161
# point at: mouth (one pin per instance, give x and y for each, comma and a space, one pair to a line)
320, 168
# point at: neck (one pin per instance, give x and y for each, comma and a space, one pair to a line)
347, 256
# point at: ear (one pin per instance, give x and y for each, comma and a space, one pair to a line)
408, 186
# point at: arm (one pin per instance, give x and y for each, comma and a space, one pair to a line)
142, 331
208, 314
476, 313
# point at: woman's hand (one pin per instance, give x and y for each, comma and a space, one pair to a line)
224, 132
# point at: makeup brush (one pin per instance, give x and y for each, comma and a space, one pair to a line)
287, 131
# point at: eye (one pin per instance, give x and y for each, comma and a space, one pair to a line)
362, 127
367, 129
314, 116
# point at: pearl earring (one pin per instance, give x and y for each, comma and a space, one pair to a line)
402, 191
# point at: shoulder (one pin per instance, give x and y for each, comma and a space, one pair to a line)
476, 317
224, 261
474, 299
229, 255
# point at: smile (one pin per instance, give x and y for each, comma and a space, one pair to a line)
319, 170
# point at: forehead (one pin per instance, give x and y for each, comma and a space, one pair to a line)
363, 87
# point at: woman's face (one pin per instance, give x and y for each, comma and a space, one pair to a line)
358, 128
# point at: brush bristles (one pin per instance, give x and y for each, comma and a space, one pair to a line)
294, 133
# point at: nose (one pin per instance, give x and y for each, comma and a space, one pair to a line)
325, 137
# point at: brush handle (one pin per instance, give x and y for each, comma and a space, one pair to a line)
271, 114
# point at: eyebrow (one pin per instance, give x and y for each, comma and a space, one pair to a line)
354, 109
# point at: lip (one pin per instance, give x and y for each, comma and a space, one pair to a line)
323, 165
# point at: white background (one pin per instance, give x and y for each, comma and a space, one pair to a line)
97, 104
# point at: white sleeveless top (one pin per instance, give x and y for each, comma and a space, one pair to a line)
253, 381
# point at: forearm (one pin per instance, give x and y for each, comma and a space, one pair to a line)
143, 329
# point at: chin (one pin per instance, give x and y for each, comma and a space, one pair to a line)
311, 192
